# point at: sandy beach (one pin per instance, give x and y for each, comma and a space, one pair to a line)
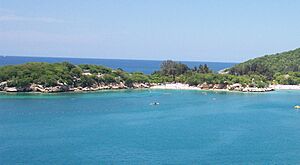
180, 86
285, 87
175, 86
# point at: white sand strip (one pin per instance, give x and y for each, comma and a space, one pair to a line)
286, 87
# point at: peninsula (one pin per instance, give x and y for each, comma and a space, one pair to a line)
257, 75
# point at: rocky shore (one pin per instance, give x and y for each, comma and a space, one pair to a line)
65, 88
115, 86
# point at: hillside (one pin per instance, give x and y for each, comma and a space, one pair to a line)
269, 65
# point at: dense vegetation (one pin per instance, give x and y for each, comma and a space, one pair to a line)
65, 73
202, 74
49, 75
281, 68
290, 78
271, 66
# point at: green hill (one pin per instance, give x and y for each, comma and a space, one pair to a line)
269, 65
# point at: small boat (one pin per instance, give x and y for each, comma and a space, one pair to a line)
297, 107
155, 103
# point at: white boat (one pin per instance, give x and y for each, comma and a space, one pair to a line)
155, 103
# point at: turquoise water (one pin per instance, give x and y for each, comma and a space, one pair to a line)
188, 127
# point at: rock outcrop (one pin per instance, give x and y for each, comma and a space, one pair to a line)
61, 87
64, 88
203, 86
3, 85
220, 86
233, 87
10, 89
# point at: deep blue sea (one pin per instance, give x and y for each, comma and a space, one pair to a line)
145, 66
121, 127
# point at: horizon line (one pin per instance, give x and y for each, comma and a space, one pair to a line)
111, 58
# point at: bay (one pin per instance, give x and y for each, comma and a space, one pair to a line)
122, 127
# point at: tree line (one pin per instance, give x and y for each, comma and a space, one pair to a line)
52, 74
270, 66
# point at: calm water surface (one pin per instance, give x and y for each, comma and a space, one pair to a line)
188, 127
145, 66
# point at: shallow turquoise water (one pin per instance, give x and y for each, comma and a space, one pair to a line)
188, 127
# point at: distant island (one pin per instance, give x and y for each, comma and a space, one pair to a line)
256, 75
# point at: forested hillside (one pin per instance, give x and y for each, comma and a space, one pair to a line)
270, 65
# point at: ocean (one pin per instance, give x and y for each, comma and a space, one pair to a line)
145, 66
122, 127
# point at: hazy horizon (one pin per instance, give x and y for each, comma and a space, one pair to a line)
212, 31
116, 59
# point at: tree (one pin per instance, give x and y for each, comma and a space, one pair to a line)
172, 68
87, 81
204, 69
76, 72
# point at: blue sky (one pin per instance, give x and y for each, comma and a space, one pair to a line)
211, 30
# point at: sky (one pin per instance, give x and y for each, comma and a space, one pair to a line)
184, 30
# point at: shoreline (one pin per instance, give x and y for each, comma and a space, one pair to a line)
167, 86
180, 86
224, 88
285, 87
128, 89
